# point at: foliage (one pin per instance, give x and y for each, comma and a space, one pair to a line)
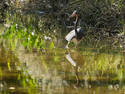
3, 8
27, 37
107, 15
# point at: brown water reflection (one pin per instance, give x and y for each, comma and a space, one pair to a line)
50, 72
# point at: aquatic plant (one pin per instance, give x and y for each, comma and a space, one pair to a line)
27, 37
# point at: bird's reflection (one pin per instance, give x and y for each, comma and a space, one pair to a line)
68, 57
75, 64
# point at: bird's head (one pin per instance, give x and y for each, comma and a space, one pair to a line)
74, 14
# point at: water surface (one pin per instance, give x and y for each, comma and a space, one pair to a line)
51, 72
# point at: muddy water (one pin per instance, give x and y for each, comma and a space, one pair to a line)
61, 71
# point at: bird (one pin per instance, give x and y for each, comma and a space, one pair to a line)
76, 33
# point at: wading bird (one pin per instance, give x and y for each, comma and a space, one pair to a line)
76, 33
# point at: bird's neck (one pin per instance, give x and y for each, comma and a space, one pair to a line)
75, 26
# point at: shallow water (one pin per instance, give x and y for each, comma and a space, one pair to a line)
52, 72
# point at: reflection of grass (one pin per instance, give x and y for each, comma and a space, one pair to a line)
0, 72
11, 76
104, 65
26, 80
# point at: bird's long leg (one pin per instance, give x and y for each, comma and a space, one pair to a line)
78, 42
76, 45
67, 46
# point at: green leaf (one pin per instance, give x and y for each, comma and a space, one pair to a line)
24, 43
36, 42
51, 45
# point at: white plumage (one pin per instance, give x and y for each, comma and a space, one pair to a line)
71, 34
